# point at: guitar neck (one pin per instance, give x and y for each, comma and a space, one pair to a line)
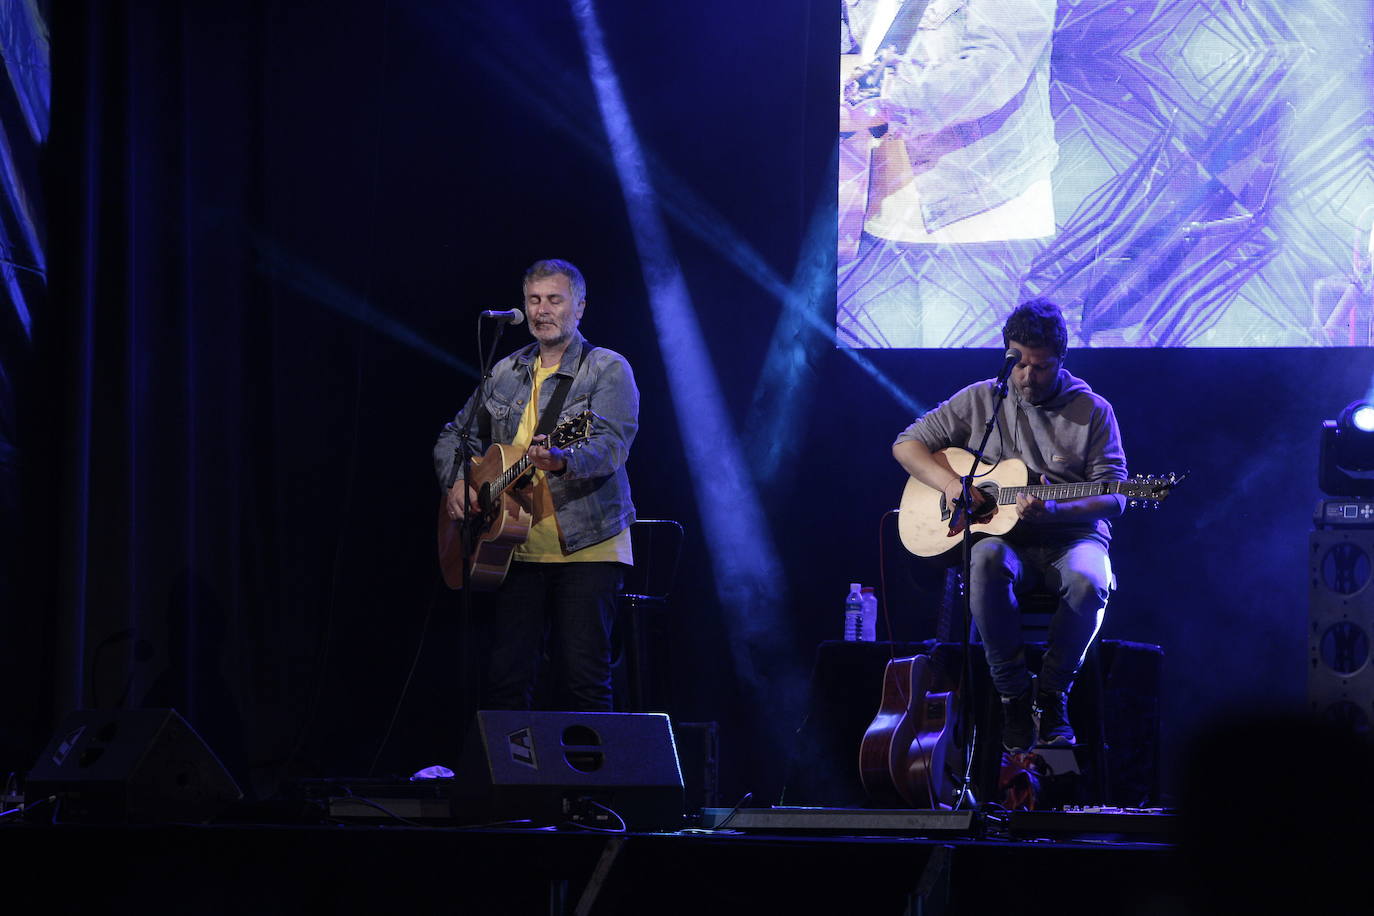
568, 435
508, 478
1007, 495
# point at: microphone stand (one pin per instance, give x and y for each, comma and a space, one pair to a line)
462, 470
964, 510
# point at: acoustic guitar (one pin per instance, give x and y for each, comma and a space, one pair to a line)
906, 751
502, 520
924, 517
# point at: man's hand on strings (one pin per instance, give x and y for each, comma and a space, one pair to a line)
954, 492
548, 458
1033, 509
454, 500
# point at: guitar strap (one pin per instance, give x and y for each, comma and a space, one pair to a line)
549, 418
484, 424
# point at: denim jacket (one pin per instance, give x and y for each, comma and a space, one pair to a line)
592, 496
969, 97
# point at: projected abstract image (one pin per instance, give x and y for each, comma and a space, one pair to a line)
1175, 173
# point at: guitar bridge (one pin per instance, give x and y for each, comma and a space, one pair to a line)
989, 508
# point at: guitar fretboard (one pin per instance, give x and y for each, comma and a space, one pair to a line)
1007, 495
562, 437
511, 474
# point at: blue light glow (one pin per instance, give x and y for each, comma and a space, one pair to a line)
311, 282
747, 571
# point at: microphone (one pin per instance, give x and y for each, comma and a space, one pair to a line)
508, 316
1009, 363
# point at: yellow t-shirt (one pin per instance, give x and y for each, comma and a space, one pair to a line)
545, 542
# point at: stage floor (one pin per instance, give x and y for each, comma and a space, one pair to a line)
839, 861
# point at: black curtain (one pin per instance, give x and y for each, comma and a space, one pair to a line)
209, 427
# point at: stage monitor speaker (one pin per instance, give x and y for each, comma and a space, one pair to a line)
128, 766
1340, 675
590, 768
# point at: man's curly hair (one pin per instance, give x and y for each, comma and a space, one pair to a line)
1037, 323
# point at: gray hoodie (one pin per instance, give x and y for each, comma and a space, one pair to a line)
1069, 438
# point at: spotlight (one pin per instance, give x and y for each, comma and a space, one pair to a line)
1361, 416
1346, 463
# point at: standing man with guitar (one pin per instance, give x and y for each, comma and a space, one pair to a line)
1064, 433
562, 581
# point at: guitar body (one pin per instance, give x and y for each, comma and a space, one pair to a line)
504, 519
892, 729
902, 758
495, 533
923, 517
927, 774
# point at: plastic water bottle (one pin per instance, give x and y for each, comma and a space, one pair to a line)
869, 631
854, 613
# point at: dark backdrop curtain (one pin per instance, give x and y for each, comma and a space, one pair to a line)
24, 110
161, 359
208, 425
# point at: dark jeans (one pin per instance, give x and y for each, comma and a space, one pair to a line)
1080, 571
568, 607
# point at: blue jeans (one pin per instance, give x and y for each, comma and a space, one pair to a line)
568, 607
1080, 571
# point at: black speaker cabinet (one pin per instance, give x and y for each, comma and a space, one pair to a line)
128, 765
1340, 677
593, 768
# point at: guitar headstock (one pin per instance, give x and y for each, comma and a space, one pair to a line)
1148, 491
573, 431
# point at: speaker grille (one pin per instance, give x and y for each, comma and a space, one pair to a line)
1340, 678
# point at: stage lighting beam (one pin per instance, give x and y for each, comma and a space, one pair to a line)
748, 574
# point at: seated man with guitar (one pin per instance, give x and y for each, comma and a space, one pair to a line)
548, 509
1067, 436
